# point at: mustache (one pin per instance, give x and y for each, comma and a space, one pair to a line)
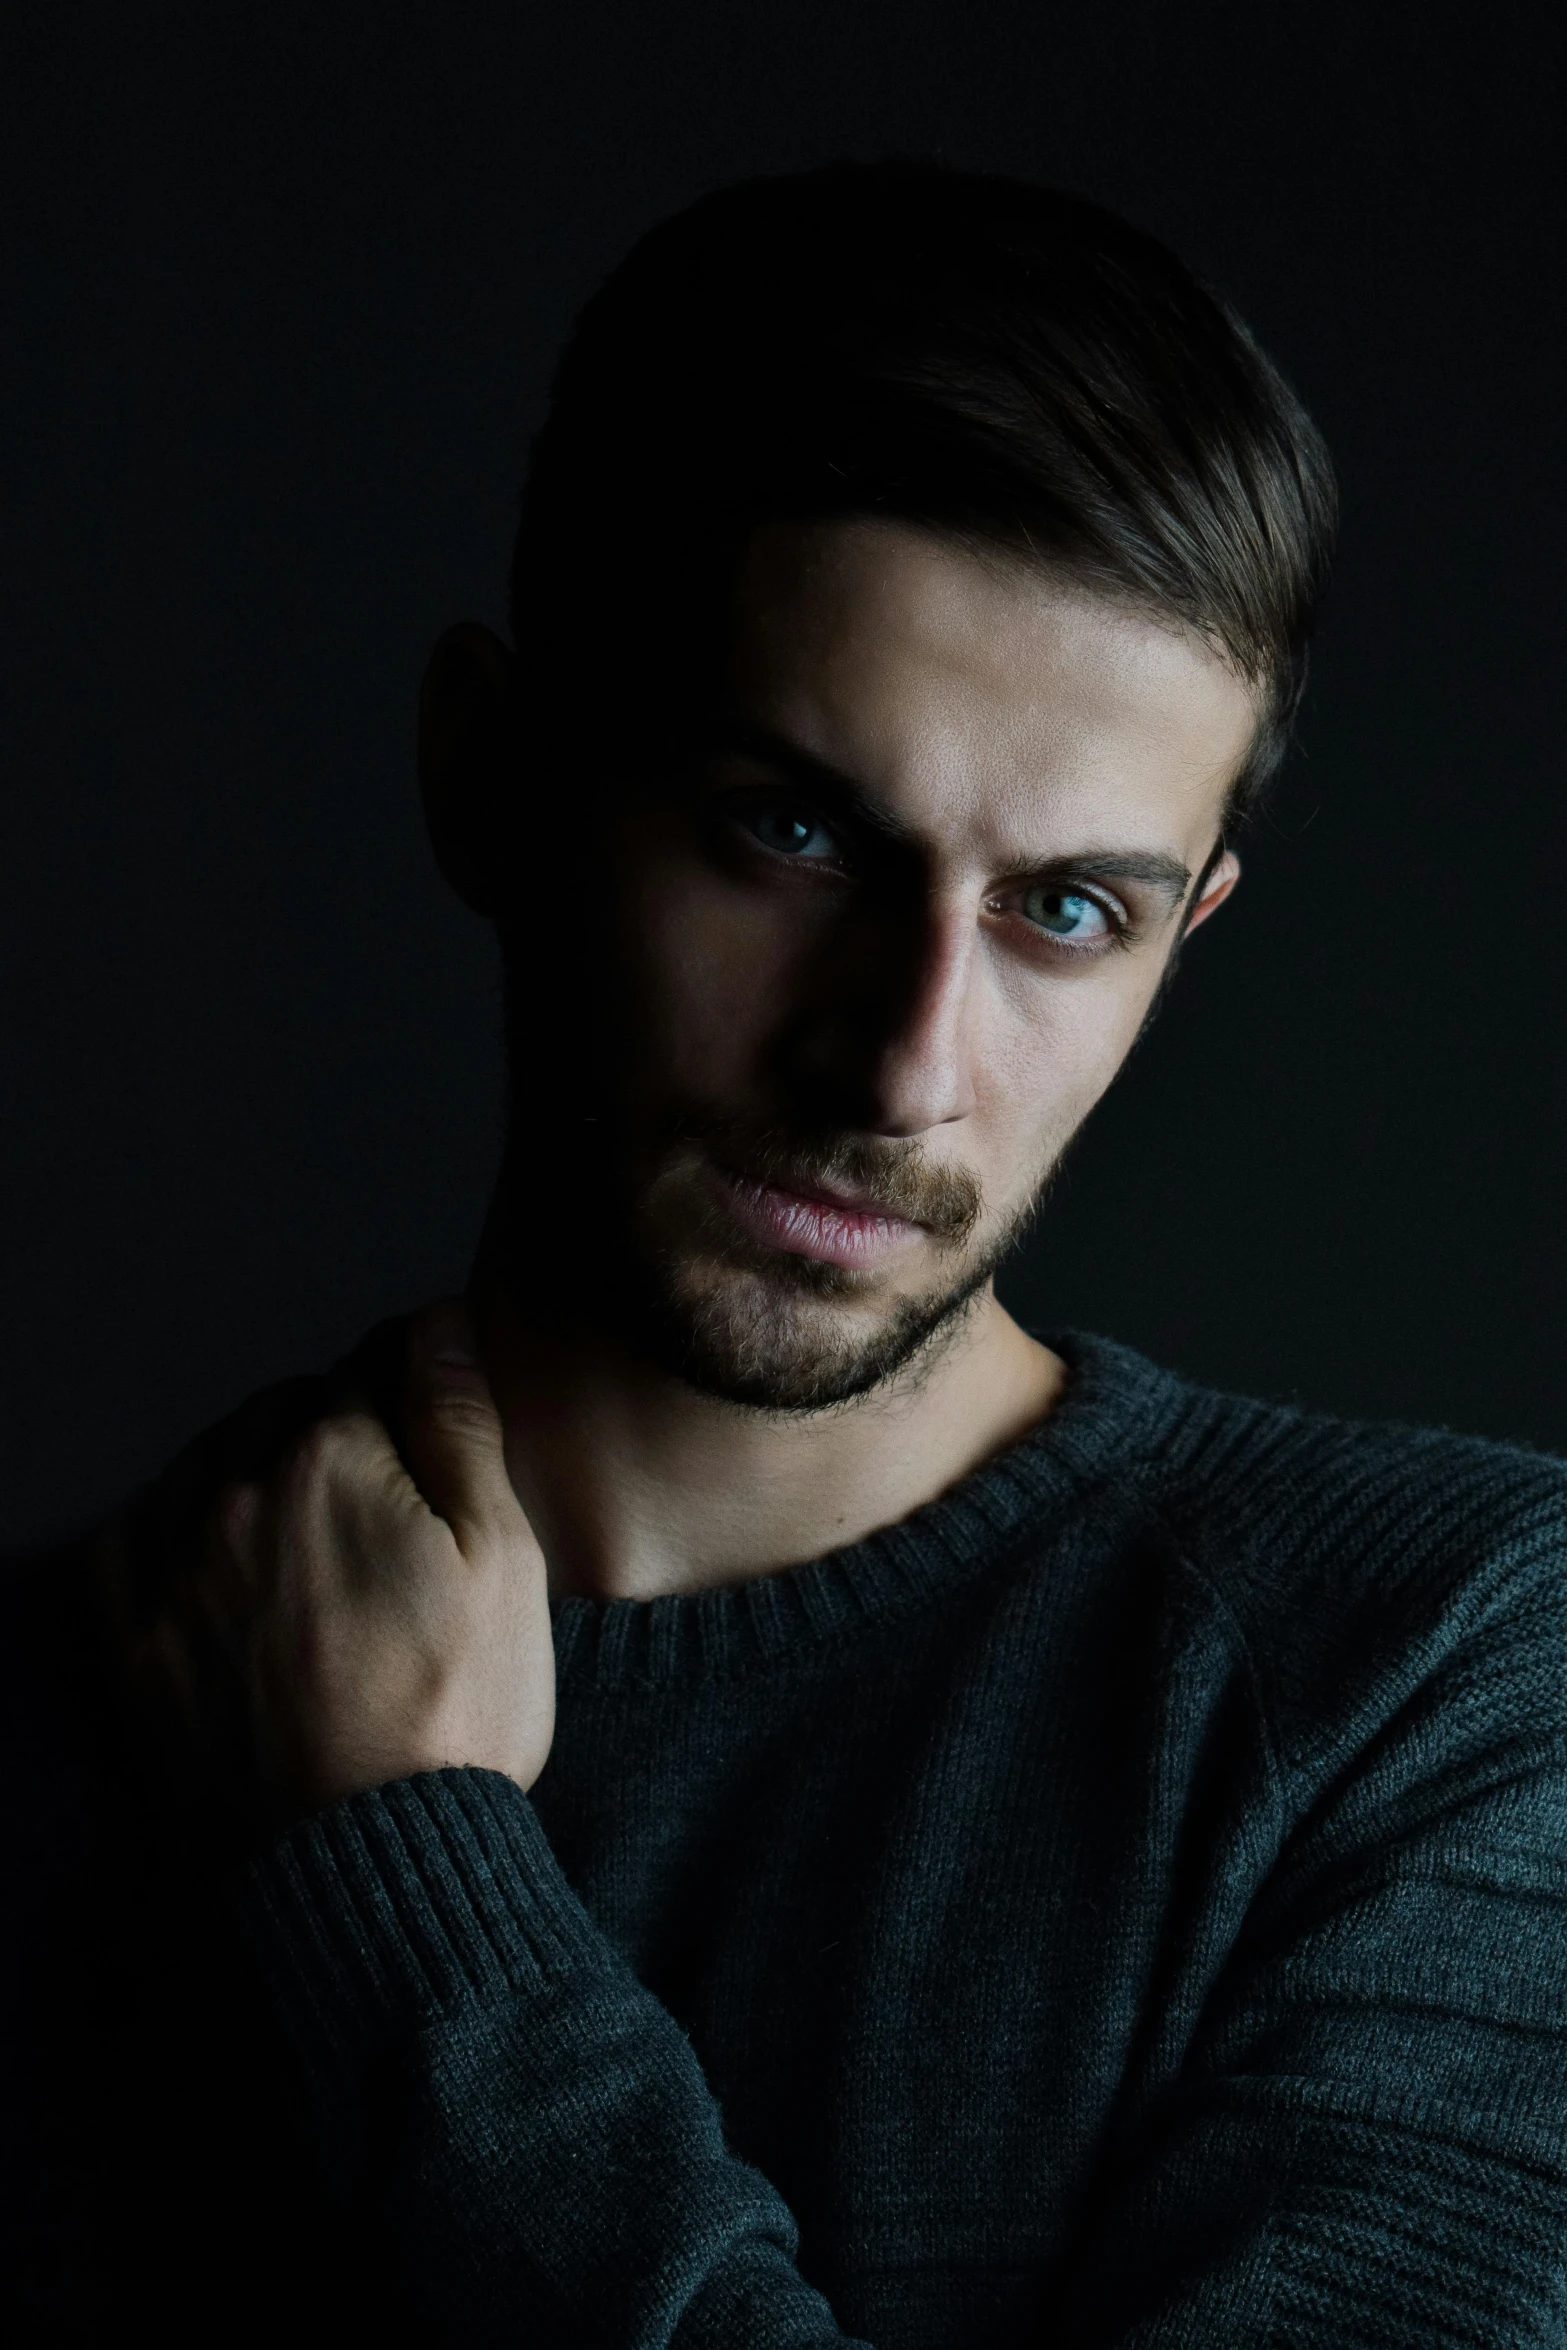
895, 1177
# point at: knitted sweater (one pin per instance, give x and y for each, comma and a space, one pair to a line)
1123, 1905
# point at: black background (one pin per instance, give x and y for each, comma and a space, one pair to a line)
282, 291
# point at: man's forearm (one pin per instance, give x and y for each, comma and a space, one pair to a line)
533, 2125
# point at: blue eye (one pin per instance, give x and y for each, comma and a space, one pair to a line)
790, 831
1066, 914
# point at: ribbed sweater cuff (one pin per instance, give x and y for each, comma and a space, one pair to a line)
414, 1901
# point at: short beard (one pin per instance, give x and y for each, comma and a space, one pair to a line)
753, 1340
755, 1326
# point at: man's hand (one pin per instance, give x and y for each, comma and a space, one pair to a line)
385, 1612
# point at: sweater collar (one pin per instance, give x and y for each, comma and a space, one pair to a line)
1116, 1407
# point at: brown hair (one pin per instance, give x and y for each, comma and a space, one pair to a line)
999, 361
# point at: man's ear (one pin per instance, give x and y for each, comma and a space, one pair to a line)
1216, 887
469, 756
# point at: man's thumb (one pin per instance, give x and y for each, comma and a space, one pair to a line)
452, 1432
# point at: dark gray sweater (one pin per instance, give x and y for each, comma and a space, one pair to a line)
1124, 1905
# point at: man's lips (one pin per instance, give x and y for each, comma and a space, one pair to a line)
830, 1222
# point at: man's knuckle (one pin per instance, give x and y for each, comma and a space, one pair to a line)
309, 1458
460, 1413
321, 1453
235, 1512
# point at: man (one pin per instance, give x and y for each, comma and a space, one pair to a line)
766, 1804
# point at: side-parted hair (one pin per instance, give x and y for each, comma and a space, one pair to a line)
999, 362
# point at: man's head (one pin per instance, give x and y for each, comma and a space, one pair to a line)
913, 585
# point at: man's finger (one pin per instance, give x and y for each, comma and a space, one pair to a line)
452, 1432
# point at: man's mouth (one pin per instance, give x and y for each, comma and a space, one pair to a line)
830, 1221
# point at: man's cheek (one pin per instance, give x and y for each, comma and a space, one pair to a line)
1038, 1099
716, 975
1079, 1050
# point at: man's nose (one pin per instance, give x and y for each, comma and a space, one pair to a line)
889, 1044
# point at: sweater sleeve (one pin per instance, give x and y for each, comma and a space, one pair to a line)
530, 2128
1365, 2142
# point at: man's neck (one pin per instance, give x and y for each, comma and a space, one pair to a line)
638, 1485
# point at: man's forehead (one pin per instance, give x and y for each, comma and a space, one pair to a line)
986, 696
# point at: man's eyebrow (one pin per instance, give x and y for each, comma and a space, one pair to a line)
742, 736
1152, 867
1160, 872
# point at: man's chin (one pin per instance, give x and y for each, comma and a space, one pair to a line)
795, 1336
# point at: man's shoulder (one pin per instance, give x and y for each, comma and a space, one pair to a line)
1273, 1480
1359, 1559
1276, 1475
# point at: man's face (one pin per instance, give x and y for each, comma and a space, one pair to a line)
884, 941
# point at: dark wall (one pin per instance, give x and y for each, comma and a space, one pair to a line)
282, 290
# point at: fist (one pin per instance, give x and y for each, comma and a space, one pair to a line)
385, 1609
